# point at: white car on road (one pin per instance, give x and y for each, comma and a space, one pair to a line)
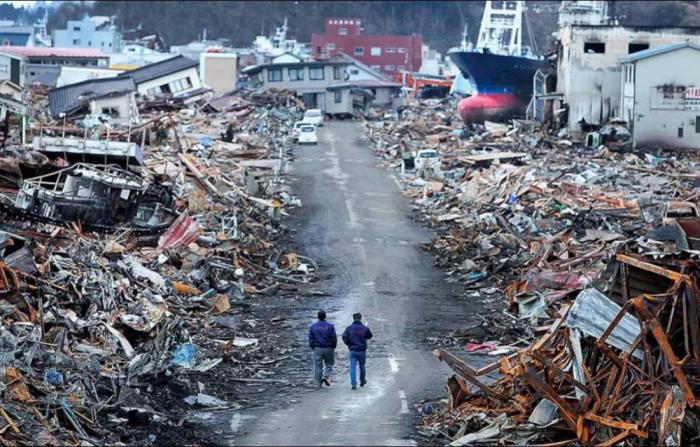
314, 116
307, 134
295, 129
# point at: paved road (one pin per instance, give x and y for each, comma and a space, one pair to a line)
356, 223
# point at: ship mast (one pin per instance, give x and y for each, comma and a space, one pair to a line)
501, 28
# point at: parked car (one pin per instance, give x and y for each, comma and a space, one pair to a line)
427, 158
314, 116
295, 129
307, 134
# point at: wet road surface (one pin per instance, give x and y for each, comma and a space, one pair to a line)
356, 224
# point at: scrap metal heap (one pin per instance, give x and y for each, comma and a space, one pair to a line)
94, 321
596, 250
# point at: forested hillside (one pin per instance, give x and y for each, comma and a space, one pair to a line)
439, 22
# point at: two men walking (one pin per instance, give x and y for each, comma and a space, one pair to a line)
323, 341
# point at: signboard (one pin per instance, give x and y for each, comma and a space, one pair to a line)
692, 98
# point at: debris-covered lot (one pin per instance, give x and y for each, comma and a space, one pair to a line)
588, 259
126, 282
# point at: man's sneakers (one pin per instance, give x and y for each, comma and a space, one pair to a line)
325, 381
363, 382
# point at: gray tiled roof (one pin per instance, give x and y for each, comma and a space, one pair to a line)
66, 98
158, 69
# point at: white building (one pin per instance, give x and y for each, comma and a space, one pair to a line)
219, 71
91, 32
588, 71
662, 105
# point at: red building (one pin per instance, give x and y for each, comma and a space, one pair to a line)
389, 54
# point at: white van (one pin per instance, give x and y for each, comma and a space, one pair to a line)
313, 116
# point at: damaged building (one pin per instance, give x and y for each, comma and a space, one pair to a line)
98, 194
588, 67
662, 106
115, 97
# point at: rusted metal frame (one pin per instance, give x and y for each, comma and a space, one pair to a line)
666, 273
615, 439
621, 425
658, 333
566, 376
461, 368
693, 316
625, 283
618, 386
609, 386
535, 380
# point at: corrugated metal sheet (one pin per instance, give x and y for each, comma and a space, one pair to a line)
66, 98
159, 69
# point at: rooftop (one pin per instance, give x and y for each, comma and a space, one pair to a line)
657, 51
67, 98
159, 69
253, 69
53, 52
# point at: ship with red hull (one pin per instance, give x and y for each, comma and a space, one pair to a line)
502, 84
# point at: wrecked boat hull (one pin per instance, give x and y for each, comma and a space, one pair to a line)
492, 107
503, 84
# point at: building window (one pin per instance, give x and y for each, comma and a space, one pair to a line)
76, 41
402, 50
359, 51
697, 124
376, 67
389, 67
375, 51
111, 111
76, 28
336, 73
338, 97
343, 31
331, 46
680, 132
401, 67
354, 71
89, 43
390, 50
316, 74
594, 47
634, 47
296, 74
274, 75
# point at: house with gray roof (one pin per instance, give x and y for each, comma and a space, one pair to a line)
115, 97
177, 76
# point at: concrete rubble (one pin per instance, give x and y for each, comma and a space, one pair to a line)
587, 260
124, 279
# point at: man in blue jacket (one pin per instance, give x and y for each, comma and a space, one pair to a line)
322, 340
355, 337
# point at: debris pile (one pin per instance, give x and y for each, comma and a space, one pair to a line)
117, 279
533, 226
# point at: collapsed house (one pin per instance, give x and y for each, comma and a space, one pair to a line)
114, 97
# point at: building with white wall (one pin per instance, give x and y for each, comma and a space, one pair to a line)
219, 71
172, 77
662, 105
588, 71
92, 32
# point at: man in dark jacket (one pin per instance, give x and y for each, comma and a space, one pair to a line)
322, 340
355, 337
